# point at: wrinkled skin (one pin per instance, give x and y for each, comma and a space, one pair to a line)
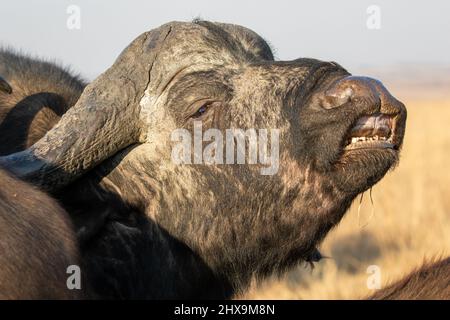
154, 229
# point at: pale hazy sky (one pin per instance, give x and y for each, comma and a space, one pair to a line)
411, 31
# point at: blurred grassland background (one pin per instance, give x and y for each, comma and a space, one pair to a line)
411, 217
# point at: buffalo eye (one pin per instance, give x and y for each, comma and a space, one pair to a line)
202, 110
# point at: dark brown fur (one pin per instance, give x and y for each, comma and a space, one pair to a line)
37, 244
42, 92
429, 281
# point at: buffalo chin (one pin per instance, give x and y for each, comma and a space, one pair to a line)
359, 169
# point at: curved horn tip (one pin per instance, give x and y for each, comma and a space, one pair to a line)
4, 86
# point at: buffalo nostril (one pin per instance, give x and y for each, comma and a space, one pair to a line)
336, 97
351, 88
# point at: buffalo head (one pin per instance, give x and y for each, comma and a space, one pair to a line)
336, 136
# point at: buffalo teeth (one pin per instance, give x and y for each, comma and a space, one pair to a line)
367, 139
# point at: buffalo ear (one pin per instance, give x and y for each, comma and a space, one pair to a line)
105, 120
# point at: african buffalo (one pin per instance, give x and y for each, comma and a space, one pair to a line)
430, 281
37, 244
150, 227
42, 94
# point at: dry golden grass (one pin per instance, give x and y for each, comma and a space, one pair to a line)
411, 218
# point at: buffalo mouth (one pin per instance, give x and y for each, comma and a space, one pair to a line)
372, 132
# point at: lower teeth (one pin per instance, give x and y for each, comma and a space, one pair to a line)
367, 139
